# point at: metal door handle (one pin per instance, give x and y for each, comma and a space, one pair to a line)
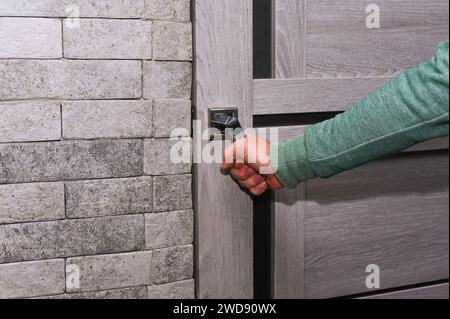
226, 120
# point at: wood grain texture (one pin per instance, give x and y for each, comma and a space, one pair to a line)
340, 45
431, 145
311, 95
290, 39
431, 292
224, 237
393, 213
288, 132
288, 249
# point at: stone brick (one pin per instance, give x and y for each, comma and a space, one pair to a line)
109, 39
31, 202
167, 80
30, 38
173, 193
60, 8
69, 160
70, 79
30, 279
65, 238
164, 156
176, 290
172, 10
172, 41
118, 294
113, 271
171, 114
30, 121
169, 229
173, 264
107, 119
109, 197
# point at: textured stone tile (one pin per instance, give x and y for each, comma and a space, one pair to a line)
167, 80
70, 79
107, 119
67, 160
109, 197
171, 10
30, 38
164, 156
63, 8
65, 238
176, 290
173, 193
172, 40
31, 202
171, 114
109, 39
123, 293
30, 279
30, 121
173, 264
169, 229
113, 271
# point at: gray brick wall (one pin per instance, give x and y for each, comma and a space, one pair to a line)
90, 204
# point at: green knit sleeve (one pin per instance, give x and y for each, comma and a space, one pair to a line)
410, 109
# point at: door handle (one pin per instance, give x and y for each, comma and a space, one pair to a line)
226, 121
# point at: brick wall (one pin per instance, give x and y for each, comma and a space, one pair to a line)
85, 178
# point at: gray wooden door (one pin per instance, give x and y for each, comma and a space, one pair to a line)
392, 213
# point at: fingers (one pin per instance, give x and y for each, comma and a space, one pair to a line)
252, 182
249, 179
241, 172
273, 182
259, 190
243, 161
232, 153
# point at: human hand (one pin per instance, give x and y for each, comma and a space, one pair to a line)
248, 163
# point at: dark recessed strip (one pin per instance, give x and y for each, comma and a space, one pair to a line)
276, 120
262, 39
262, 246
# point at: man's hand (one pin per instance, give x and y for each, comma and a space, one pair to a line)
248, 163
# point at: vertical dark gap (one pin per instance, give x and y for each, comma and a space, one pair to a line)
262, 220
262, 39
262, 246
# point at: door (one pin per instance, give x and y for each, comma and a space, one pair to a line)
323, 56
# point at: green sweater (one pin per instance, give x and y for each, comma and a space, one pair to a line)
410, 109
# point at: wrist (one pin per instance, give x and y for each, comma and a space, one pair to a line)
290, 162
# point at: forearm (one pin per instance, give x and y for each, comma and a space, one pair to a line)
410, 109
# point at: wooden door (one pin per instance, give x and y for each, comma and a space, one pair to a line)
392, 213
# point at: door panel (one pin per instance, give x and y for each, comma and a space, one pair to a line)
392, 213
340, 45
